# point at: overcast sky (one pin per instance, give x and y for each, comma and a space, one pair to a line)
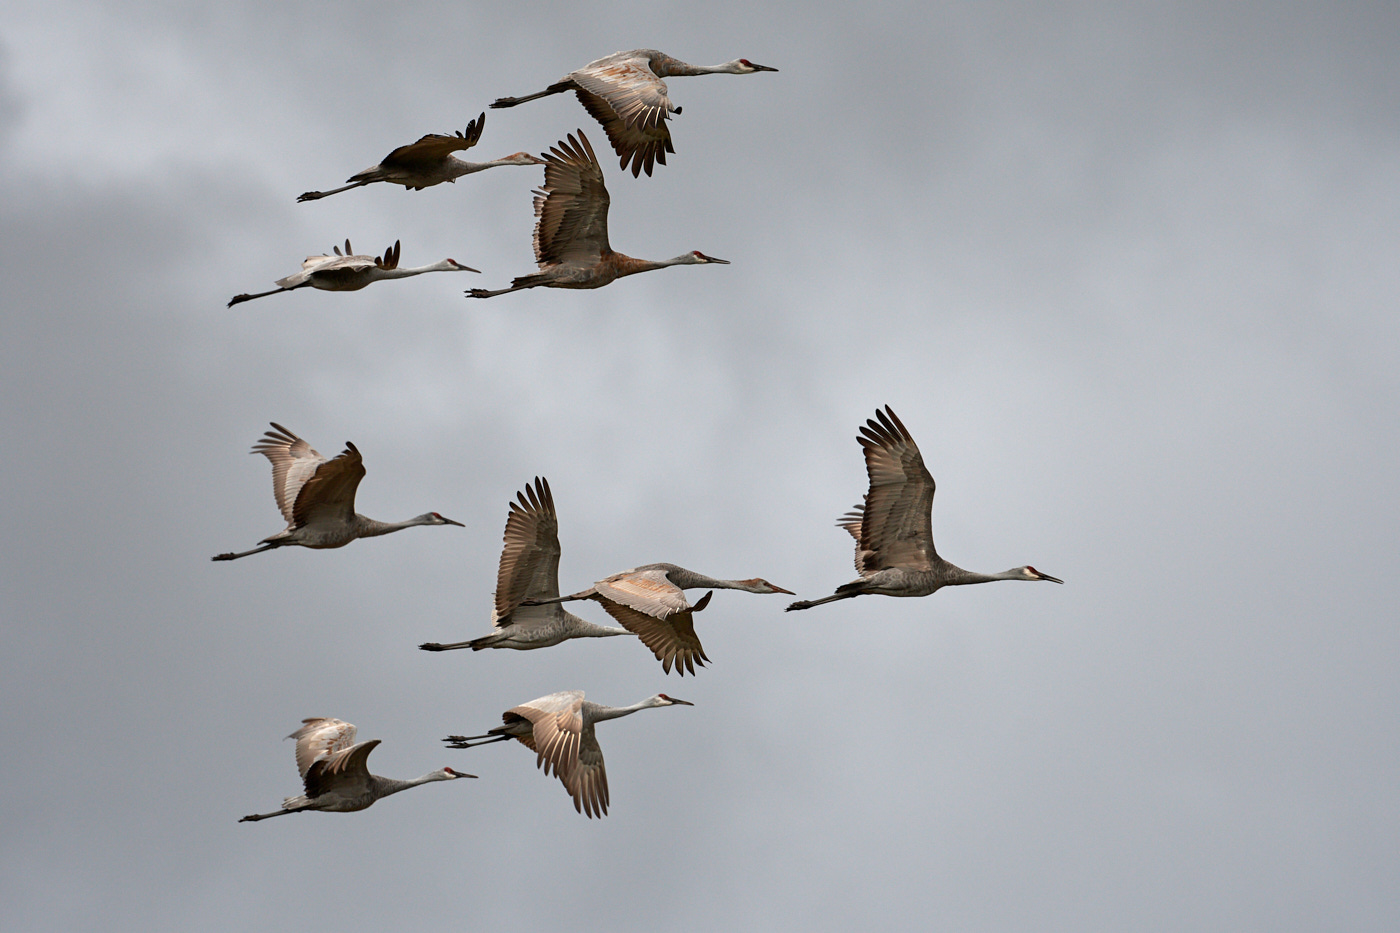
1127, 272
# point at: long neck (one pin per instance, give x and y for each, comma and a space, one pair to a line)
669, 67
614, 712
956, 576
385, 786
441, 266
369, 528
689, 580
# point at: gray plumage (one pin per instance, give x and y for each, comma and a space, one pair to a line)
335, 772
624, 92
893, 528
559, 729
650, 601
317, 497
427, 162
529, 570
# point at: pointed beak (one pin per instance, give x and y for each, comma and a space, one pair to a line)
762, 67
779, 589
723, 262
680, 702
444, 517
458, 774
463, 269
1051, 579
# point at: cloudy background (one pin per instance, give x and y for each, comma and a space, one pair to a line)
1127, 273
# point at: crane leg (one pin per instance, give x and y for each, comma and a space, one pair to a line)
229, 555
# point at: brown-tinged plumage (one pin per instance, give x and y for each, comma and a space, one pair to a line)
571, 228
559, 729
317, 496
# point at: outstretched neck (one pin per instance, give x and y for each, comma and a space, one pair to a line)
956, 576
442, 266
370, 528
615, 712
386, 786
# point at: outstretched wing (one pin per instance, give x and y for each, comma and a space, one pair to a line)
319, 737
672, 640
896, 524
557, 724
293, 463
529, 567
345, 771
572, 206
630, 102
330, 492
433, 148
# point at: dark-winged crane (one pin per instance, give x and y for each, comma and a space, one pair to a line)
335, 772
317, 497
347, 272
571, 228
428, 162
893, 528
529, 570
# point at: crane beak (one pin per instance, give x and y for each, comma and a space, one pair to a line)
723, 262
779, 589
1050, 578
762, 67
448, 521
458, 774
463, 268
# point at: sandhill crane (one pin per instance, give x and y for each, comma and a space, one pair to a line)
317, 496
428, 162
559, 729
571, 228
335, 772
650, 601
894, 527
529, 569
624, 92
346, 272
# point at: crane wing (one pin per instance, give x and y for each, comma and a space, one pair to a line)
319, 737
572, 206
529, 567
647, 591
590, 777
346, 770
851, 521
557, 723
672, 640
293, 463
896, 523
630, 102
433, 148
330, 492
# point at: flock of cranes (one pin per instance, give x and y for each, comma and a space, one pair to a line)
892, 527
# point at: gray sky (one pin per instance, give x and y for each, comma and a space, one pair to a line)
1127, 273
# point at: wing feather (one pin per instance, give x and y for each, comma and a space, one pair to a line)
529, 567
293, 463
319, 737
647, 591
896, 522
572, 206
672, 640
330, 491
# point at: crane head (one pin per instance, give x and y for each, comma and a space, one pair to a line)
672, 701
697, 256
1032, 574
457, 774
433, 518
749, 67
